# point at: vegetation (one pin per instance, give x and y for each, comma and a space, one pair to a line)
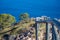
6, 27
6, 20
24, 16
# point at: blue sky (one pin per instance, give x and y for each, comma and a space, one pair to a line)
33, 7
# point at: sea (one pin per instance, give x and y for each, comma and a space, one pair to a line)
35, 8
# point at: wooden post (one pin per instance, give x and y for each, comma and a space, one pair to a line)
37, 25
47, 31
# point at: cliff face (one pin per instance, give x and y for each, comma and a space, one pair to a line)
13, 29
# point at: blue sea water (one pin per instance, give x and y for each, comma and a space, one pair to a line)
33, 7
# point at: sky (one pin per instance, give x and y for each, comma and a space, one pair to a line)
34, 7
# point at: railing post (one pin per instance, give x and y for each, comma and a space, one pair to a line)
56, 33
37, 31
53, 33
47, 31
37, 26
